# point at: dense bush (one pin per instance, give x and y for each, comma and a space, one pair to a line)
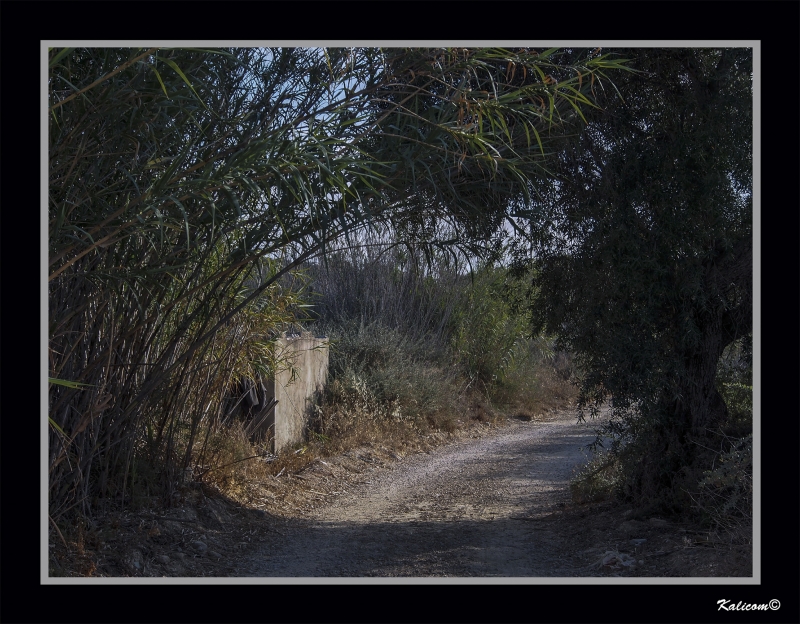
660, 464
645, 266
174, 172
421, 339
725, 497
412, 288
396, 370
489, 334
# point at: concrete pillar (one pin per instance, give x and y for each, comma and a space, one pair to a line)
305, 373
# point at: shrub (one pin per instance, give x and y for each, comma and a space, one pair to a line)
726, 491
597, 480
488, 334
725, 494
378, 366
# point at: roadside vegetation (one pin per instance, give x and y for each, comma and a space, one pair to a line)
420, 344
418, 352
188, 187
648, 281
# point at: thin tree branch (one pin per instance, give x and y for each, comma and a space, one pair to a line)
122, 67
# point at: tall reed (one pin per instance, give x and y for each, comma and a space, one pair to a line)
178, 176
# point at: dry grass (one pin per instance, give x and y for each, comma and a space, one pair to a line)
534, 389
596, 481
383, 394
348, 418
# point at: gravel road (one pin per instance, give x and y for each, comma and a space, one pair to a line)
468, 509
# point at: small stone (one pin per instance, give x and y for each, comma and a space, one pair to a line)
631, 526
638, 541
214, 554
135, 559
179, 555
199, 546
626, 560
163, 559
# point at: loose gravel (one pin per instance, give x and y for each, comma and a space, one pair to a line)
469, 509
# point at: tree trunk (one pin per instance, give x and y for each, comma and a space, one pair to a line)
728, 282
704, 402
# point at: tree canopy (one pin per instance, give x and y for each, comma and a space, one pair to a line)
288, 148
644, 248
184, 183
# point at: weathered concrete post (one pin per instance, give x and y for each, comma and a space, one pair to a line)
307, 358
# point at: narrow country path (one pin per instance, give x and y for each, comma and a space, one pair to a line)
468, 509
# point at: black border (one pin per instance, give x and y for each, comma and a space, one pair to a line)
773, 23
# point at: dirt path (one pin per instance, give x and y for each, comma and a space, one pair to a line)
469, 509
494, 502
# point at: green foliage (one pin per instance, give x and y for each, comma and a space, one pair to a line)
380, 364
413, 342
598, 480
735, 385
489, 331
644, 252
186, 186
738, 398
726, 491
